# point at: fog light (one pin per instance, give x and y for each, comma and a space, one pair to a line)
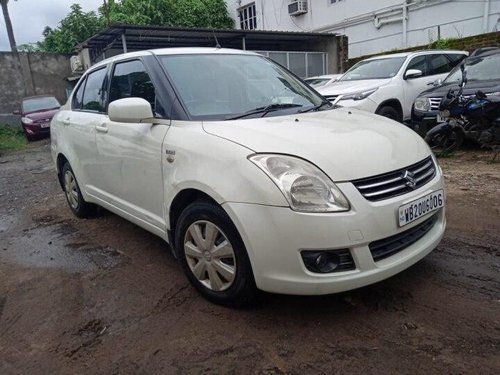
326, 261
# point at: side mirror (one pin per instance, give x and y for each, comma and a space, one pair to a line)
413, 73
130, 110
17, 112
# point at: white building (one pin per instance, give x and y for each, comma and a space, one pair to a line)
372, 26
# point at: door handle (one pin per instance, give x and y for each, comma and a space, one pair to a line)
101, 129
66, 122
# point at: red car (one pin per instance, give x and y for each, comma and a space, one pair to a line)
36, 114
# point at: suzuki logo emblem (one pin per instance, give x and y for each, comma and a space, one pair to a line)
410, 180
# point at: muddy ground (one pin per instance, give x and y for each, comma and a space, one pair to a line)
104, 296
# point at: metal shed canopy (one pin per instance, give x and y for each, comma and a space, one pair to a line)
132, 38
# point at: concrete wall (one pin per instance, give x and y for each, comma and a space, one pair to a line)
28, 74
379, 25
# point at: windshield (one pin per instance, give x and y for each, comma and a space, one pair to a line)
478, 69
374, 69
220, 87
40, 104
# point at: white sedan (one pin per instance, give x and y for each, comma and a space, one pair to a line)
252, 178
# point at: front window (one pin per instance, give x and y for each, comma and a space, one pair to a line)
220, 87
40, 104
478, 69
374, 69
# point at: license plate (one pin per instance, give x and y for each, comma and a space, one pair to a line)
45, 125
420, 207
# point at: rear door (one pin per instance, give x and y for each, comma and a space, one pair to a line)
78, 124
130, 154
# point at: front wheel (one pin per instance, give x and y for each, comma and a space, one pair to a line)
213, 255
445, 142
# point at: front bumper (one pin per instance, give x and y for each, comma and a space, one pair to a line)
275, 236
422, 122
36, 130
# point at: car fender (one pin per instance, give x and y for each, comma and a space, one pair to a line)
215, 166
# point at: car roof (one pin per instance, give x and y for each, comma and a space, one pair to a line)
418, 53
176, 51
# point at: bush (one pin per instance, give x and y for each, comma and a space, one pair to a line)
11, 138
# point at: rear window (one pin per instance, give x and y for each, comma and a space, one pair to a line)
40, 104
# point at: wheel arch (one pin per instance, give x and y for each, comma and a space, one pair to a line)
60, 161
394, 103
180, 201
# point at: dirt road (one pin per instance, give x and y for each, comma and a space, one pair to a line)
104, 296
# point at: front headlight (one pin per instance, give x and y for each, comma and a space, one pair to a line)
27, 120
422, 104
305, 186
359, 95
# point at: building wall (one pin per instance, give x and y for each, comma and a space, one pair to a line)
27, 74
376, 26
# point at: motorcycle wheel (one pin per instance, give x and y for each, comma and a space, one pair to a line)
445, 143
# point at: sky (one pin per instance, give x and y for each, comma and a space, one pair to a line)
29, 18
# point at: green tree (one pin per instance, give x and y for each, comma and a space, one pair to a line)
202, 13
138, 12
8, 24
76, 27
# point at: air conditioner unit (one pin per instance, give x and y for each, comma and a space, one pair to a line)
76, 64
296, 8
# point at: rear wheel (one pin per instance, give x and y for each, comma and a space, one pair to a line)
213, 255
389, 112
73, 194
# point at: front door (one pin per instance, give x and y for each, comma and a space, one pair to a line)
130, 155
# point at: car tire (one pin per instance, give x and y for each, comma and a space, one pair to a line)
389, 112
76, 203
213, 256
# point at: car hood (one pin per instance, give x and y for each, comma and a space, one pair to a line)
471, 88
41, 115
349, 87
345, 143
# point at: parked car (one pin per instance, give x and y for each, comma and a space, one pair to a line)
483, 73
388, 85
253, 179
36, 113
324, 80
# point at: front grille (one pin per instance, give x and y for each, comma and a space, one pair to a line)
386, 247
392, 184
435, 102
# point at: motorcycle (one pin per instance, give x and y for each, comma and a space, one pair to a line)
476, 117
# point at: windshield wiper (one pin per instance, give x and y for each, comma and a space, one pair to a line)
316, 107
265, 110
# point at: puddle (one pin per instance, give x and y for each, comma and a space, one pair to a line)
55, 247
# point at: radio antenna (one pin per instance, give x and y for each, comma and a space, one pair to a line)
217, 45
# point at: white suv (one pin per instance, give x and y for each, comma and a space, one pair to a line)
253, 179
388, 85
